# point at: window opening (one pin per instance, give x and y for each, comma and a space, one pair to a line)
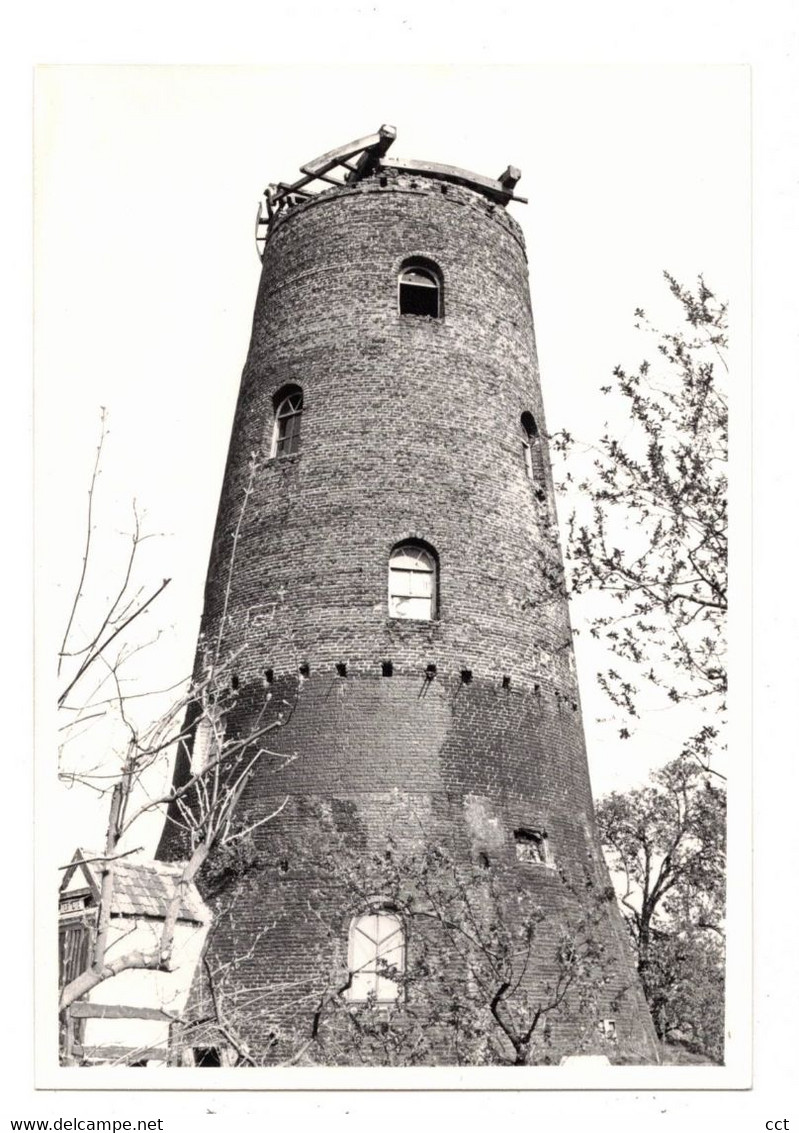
533, 455
531, 847
377, 944
207, 1056
412, 583
288, 419
419, 293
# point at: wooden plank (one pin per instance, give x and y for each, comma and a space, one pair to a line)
368, 161
452, 173
283, 188
510, 177
366, 152
117, 1011
115, 1053
336, 156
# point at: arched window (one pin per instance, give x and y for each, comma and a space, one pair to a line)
420, 290
377, 948
288, 419
412, 571
533, 456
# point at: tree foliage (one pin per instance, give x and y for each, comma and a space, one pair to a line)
665, 845
650, 529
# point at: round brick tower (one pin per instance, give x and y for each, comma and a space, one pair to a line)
384, 565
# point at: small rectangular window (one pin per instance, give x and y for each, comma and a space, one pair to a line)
531, 847
207, 1056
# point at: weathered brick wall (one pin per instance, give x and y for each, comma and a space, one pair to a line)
410, 430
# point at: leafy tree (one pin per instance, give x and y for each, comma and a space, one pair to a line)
665, 845
649, 530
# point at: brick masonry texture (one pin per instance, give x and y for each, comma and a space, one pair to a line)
410, 431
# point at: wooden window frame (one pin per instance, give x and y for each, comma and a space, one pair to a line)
289, 408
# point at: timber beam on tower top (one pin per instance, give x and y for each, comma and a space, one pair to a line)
356, 160
362, 158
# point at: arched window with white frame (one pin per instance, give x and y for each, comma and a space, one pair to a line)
376, 954
412, 582
288, 420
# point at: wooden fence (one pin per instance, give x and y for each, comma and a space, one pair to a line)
75, 1051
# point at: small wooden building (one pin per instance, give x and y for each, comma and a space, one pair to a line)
127, 1019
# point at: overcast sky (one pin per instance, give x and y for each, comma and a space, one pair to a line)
147, 181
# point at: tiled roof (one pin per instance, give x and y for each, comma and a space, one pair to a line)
144, 888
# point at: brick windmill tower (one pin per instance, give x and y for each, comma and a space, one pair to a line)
393, 578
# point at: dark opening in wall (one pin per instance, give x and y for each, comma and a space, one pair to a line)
305, 669
420, 291
466, 676
269, 676
207, 1056
531, 846
430, 672
234, 682
341, 668
506, 681
388, 668
482, 860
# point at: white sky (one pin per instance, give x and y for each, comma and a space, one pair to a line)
147, 180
